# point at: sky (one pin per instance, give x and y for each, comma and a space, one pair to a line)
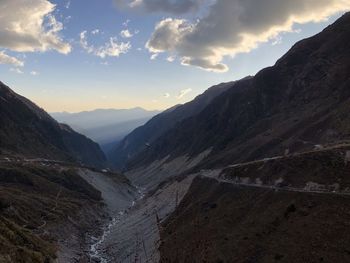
75, 55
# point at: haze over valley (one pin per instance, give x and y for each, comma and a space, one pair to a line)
106, 126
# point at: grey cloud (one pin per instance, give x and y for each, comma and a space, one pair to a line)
167, 6
235, 26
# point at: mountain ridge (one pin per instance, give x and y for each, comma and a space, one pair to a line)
137, 140
29, 131
296, 104
106, 126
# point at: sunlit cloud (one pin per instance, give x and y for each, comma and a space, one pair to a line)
29, 26
126, 34
6, 59
231, 27
113, 48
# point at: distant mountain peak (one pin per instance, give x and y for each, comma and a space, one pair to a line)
106, 126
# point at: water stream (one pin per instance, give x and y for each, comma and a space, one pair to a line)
96, 254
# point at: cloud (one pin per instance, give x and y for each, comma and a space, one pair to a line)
126, 34
166, 95
113, 48
171, 59
28, 26
277, 40
6, 59
16, 70
67, 5
168, 6
34, 73
95, 31
126, 22
235, 26
154, 56
183, 93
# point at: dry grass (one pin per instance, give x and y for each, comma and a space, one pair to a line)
34, 202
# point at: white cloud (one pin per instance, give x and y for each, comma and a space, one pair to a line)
126, 34
166, 95
67, 19
16, 70
67, 5
168, 6
277, 40
235, 26
183, 93
34, 73
6, 59
171, 59
28, 26
113, 48
83, 42
154, 56
95, 31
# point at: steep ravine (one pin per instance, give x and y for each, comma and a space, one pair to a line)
132, 231
118, 199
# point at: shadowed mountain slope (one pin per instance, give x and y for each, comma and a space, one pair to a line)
29, 131
149, 133
289, 209
300, 102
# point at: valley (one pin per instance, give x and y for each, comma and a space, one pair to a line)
166, 216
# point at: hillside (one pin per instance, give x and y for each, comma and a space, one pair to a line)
136, 141
289, 209
300, 102
49, 211
29, 131
35, 202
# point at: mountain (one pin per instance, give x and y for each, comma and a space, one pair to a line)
300, 103
291, 209
137, 140
255, 170
105, 126
29, 131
